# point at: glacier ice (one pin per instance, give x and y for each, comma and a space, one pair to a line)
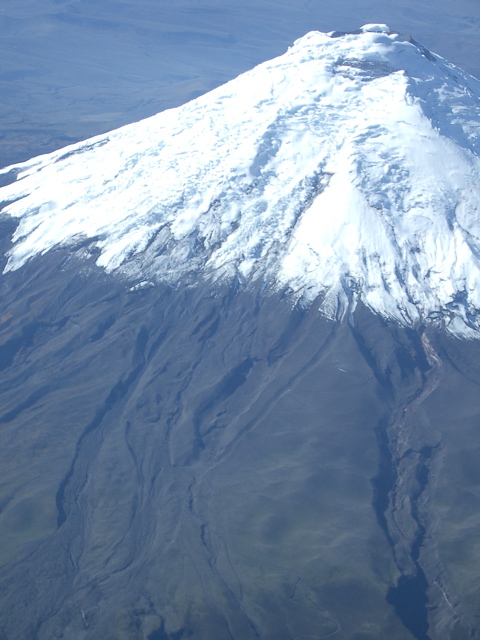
346, 169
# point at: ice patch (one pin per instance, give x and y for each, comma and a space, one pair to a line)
375, 28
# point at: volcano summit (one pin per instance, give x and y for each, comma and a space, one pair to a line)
239, 361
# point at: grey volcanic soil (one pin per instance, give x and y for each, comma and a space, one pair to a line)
210, 463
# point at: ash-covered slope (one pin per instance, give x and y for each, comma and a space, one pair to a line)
347, 168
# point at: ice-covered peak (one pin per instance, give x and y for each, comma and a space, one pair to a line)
375, 28
346, 169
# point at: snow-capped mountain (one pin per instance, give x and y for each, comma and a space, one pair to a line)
189, 449
347, 168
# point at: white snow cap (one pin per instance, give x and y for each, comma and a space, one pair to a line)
347, 169
375, 28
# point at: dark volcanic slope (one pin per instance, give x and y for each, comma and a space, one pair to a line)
213, 464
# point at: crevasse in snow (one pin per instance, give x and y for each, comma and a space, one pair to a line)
346, 169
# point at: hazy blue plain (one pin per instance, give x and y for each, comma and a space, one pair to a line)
70, 69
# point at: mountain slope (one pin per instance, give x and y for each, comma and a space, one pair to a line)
348, 168
189, 448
